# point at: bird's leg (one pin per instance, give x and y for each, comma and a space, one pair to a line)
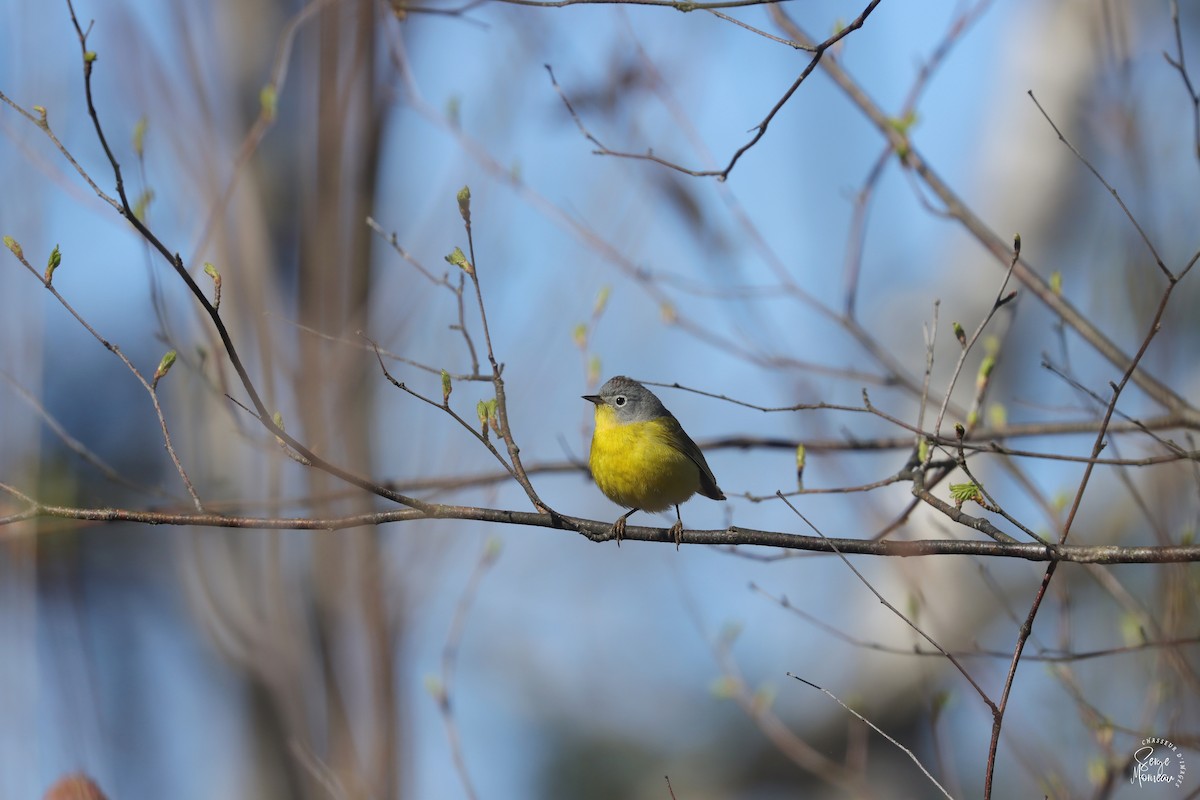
677, 528
618, 527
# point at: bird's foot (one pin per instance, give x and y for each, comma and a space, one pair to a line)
618, 529
677, 533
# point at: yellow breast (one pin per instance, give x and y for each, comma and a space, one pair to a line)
638, 466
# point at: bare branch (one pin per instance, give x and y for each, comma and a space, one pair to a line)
601, 531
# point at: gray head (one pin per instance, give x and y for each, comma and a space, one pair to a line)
631, 401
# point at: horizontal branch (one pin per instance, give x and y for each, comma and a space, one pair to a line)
601, 531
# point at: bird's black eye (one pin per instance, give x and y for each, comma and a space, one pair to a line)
619, 400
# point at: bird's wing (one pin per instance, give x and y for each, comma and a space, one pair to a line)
708, 483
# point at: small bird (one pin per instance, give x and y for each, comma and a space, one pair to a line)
641, 457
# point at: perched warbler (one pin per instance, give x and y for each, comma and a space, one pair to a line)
641, 457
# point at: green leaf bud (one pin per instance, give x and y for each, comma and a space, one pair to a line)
52, 264
164, 366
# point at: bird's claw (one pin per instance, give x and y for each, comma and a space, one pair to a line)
618, 530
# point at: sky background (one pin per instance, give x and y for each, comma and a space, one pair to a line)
115, 665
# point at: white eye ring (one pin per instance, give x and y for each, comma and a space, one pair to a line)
619, 400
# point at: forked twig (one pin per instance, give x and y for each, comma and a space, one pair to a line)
1180, 66
760, 130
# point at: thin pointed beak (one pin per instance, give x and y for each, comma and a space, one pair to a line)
593, 398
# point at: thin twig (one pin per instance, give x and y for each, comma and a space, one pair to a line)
43, 123
1181, 66
912, 756
412, 260
970, 343
999, 709
930, 341
371, 346
444, 406
150, 388
793, 747
899, 614
1115, 194
1132, 423
76, 446
514, 452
